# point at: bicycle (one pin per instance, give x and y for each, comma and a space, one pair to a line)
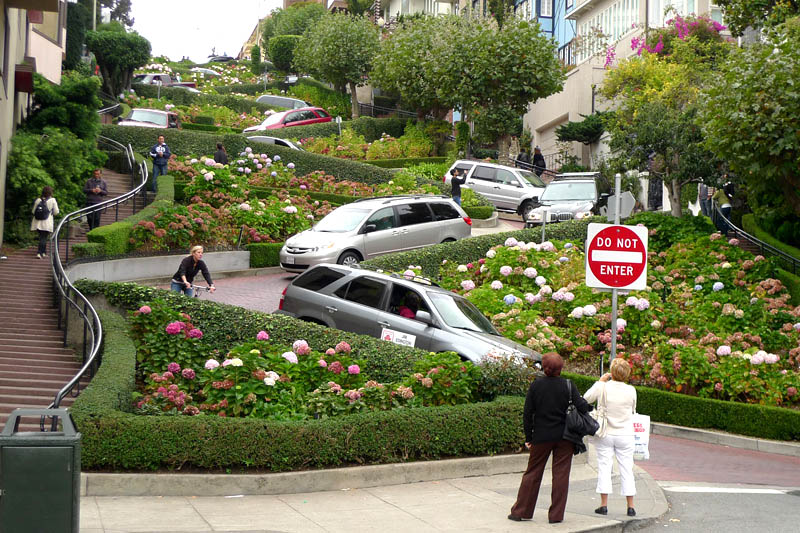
197, 288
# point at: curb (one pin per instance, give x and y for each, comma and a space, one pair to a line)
791, 449
175, 484
490, 222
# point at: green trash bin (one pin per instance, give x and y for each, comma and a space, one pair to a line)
40, 475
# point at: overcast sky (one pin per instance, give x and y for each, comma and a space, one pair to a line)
178, 28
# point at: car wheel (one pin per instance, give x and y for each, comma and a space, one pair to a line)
313, 320
449, 239
349, 259
526, 209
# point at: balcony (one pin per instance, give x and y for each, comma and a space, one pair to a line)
582, 7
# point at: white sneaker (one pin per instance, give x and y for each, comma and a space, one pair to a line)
39, 256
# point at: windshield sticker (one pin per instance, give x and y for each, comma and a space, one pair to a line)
398, 337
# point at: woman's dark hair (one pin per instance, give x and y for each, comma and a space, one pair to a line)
220, 147
412, 301
552, 363
47, 191
728, 189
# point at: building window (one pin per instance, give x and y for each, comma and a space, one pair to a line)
546, 8
716, 13
570, 3
658, 7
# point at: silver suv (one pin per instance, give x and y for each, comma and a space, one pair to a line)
569, 196
508, 188
374, 226
409, 311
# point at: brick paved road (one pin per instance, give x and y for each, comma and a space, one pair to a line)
673, 459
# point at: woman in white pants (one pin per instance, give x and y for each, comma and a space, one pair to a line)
620, 403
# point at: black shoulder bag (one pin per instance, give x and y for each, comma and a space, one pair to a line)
578, 424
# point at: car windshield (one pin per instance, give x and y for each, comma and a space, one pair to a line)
144, 115
273, 119
341, 220
139, 77
531, 178
460, 313
569, 190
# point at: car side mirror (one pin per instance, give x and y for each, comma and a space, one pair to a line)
173, 124
369, 228
424, 317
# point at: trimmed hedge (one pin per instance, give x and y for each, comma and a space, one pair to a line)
88, 249
473, 248
114, 238
750, 225
792, 284
479, 211
200, 143
691, 411
405, 162
209, 127
264, 254
370, 128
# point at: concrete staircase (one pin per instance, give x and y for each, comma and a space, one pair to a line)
34, 364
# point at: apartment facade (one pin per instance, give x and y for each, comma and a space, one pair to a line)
621, 21
32, 39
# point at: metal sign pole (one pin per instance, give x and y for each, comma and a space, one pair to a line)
544, 223
613, 354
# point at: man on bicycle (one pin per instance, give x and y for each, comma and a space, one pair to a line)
190, 265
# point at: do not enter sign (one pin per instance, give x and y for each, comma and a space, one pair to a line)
616, 257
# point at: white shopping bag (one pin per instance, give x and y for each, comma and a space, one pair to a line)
641, 436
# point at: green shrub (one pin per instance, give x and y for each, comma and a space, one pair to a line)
183, 97
264, 254
204, 119
88, 249
666, 230
209, 128
750, 225
281, 50
370, 128
792, 283
479, 211
252, 89
337, 104
407, 162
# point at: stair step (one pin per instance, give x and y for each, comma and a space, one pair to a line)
19, 349
59, 374
37, 397
34, 360
43, 367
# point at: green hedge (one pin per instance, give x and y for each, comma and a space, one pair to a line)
209, 127
200, 143
473, 248
370, 128
479, 211
691, 411
204, 119
792, 284
88, 249
405, 162
750, 225
114, 238
264, 254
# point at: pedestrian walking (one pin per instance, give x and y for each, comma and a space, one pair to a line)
221, 155
723, 201
704, 198
539, 164
523, 160
456, 182
188, 269
44, 209
544, 419
160, 154
616, 401
96, 190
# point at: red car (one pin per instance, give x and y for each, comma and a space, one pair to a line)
294, 117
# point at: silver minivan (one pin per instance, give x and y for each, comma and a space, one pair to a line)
408, 311
508, 188
375, 226
281, 101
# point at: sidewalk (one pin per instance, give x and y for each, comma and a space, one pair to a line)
466, 503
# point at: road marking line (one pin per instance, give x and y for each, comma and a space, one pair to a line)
729, 490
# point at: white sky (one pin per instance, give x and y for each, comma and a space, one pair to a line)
178, 28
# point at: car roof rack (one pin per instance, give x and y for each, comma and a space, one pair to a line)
418, 279
391, 198
577, 176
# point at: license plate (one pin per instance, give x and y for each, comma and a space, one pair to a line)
290, 260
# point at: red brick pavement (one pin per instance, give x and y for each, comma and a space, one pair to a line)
673, 459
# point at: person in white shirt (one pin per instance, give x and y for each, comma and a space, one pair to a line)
620, 405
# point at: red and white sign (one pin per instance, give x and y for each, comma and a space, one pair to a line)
616, 257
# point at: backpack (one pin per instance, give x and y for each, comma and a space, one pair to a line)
41, 212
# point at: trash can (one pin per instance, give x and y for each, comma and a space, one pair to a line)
40, 475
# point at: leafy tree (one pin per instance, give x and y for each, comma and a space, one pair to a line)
120, 11
751, 118
339, 49
294, 20
587, 131
359, 7
72, 105
255, 59
78, 19
118, 53
739, 14
281, 51
268, 28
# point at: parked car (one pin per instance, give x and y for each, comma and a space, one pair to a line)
569, 196
220, 59
205, 71
281, 101
277, 141
367, 302
163, 79
187, 89
374, 226
508, 188
150, 118
295, 117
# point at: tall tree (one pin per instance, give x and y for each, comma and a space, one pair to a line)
120, 11
359, 7
339, 49
77, 21
751, 118
118, 53
739, 14
294, 20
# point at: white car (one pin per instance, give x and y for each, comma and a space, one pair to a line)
277, 141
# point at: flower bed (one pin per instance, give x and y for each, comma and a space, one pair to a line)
350, 145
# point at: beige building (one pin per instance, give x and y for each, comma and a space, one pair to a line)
32, 39
621, 21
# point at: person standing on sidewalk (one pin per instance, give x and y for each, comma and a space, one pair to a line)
160, 154
544, 418
620, 405
44, 209
539, 164
188, 269
456, 182
96, 190
704, 198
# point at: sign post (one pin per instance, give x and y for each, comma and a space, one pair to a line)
616, 258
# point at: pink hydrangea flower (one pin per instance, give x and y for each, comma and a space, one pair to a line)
353, 369
330, 351
511, 241
195, 333
343, 347
301, 347
723, 350
173, 328
468, 284
290, 356
145, 309
174, 367
621, 324
336, 367
211, 364
506, 270
227, 362
262, 336
188, 373
718, 386
322, 363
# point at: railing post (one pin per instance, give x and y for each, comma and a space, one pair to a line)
84, 332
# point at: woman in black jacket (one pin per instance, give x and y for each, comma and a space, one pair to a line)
190, 266
544, 419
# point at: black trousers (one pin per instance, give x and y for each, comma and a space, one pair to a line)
43, 236
93, 219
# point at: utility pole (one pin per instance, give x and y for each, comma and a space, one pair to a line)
94, 15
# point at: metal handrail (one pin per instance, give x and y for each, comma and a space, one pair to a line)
68, 296
787, 261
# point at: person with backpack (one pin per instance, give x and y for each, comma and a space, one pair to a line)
44, 209
160, 154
